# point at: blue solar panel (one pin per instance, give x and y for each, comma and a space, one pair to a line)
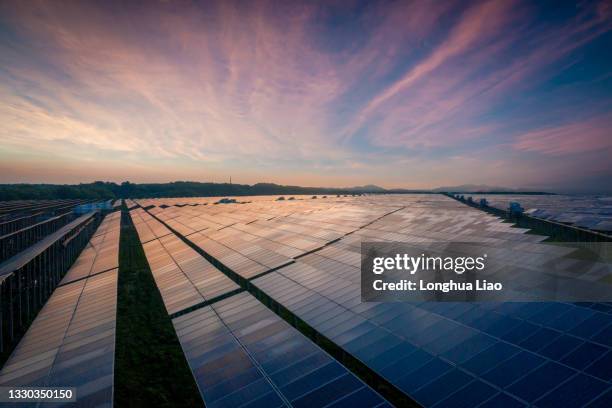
602, 367
560, 347
469, 348
423, 375
499, 325
576, 392
584, 355
602, 401
539, 339
430, 356
413, 361
604, 336
593, 325
469, 396
502, 401
440, 354
438, 389
571, 318
512, 369
240, 352
540, 380
520, 333
602, 307
490, 357
393, 355
549, 313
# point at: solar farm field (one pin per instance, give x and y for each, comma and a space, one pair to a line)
590, 212
263, 296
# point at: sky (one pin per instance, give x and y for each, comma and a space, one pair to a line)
338, 93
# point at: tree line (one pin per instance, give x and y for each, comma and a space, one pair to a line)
108, 190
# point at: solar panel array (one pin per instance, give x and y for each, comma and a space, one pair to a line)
591, 212
13, 209
101, 253
183, 276
242, 354
305, 255
147, 227
71, 343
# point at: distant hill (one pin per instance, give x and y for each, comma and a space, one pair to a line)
370, 188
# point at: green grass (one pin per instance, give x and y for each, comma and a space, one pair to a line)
150, 368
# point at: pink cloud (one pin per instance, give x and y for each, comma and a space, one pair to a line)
438, 101
475, 26
573, 138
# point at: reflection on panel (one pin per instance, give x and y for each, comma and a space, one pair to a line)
440, 354
101, 253
592, 212
183, 277
148, 228
242, 354
71, 343
443, 352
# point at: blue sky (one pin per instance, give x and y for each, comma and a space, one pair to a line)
399, 94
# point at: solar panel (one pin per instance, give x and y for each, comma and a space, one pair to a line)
148, 228
437, 353
487, 345
101, 253
242, 265
183, 277
242, 354
71, 343
590, 212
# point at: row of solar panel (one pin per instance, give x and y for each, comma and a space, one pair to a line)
240, 352
147, 227
71, 343
461, 340
244, 355
592, 212
28, 206
20, 219
447, 354
184, 278
203, 201
101, 253
250, 249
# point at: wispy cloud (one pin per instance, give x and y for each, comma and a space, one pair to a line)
580, 137
285, 91
474, 28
